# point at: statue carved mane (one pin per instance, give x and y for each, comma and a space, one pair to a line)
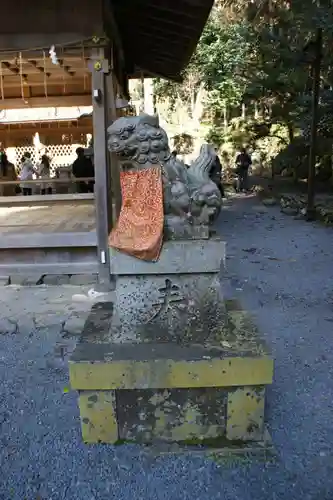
189, 194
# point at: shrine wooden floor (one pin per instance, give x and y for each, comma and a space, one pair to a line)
47, 219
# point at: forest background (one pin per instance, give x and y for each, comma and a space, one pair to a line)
250, 83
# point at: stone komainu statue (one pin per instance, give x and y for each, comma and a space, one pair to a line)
190, 197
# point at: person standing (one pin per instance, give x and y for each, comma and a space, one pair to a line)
83, 167
215, 173
27, 171
7, 173
44, 172
243, 163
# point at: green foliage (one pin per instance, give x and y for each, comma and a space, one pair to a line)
260, 54
265, 138
172, 92
183, 143
219, 65
223, 57
273, 143
216, 136
281, 80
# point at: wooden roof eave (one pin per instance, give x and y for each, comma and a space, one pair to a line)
169, 27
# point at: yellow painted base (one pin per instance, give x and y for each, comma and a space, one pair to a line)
168, 392
245, 414
98, 416
223, 415
170, 374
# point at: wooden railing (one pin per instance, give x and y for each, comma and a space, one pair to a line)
46, 199
51, 180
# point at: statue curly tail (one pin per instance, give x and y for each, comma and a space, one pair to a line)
200, 168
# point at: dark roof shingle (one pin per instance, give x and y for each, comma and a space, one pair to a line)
159, 36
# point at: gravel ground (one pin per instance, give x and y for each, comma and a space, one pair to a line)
282, 271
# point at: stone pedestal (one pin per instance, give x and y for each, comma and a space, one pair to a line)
178, 362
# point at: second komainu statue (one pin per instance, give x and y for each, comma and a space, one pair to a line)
161, 197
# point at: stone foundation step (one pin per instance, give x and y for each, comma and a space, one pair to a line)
151, 392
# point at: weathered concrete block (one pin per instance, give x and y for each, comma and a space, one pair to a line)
179, 390
5, 280
158, 302
97, 325
83, 279
177, 257
56, 279
245, 413
156, 365
48, 319
98, 416
171, 415
25, 280
166, 308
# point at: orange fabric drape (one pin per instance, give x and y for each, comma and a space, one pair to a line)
139, 230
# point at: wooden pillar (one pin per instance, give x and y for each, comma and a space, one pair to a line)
103, 202
310, 210
142, 91
114, 177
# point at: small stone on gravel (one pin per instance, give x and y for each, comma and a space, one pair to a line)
7, 326
74, 325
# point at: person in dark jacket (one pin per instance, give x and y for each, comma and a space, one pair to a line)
83, 167
7, 173
216, 174
243, 163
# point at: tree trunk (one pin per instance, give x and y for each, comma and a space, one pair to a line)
256, 112
295, 175
142, 94
291, 136
310, 211
197, 108
148, 96
291, 132
225, 118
